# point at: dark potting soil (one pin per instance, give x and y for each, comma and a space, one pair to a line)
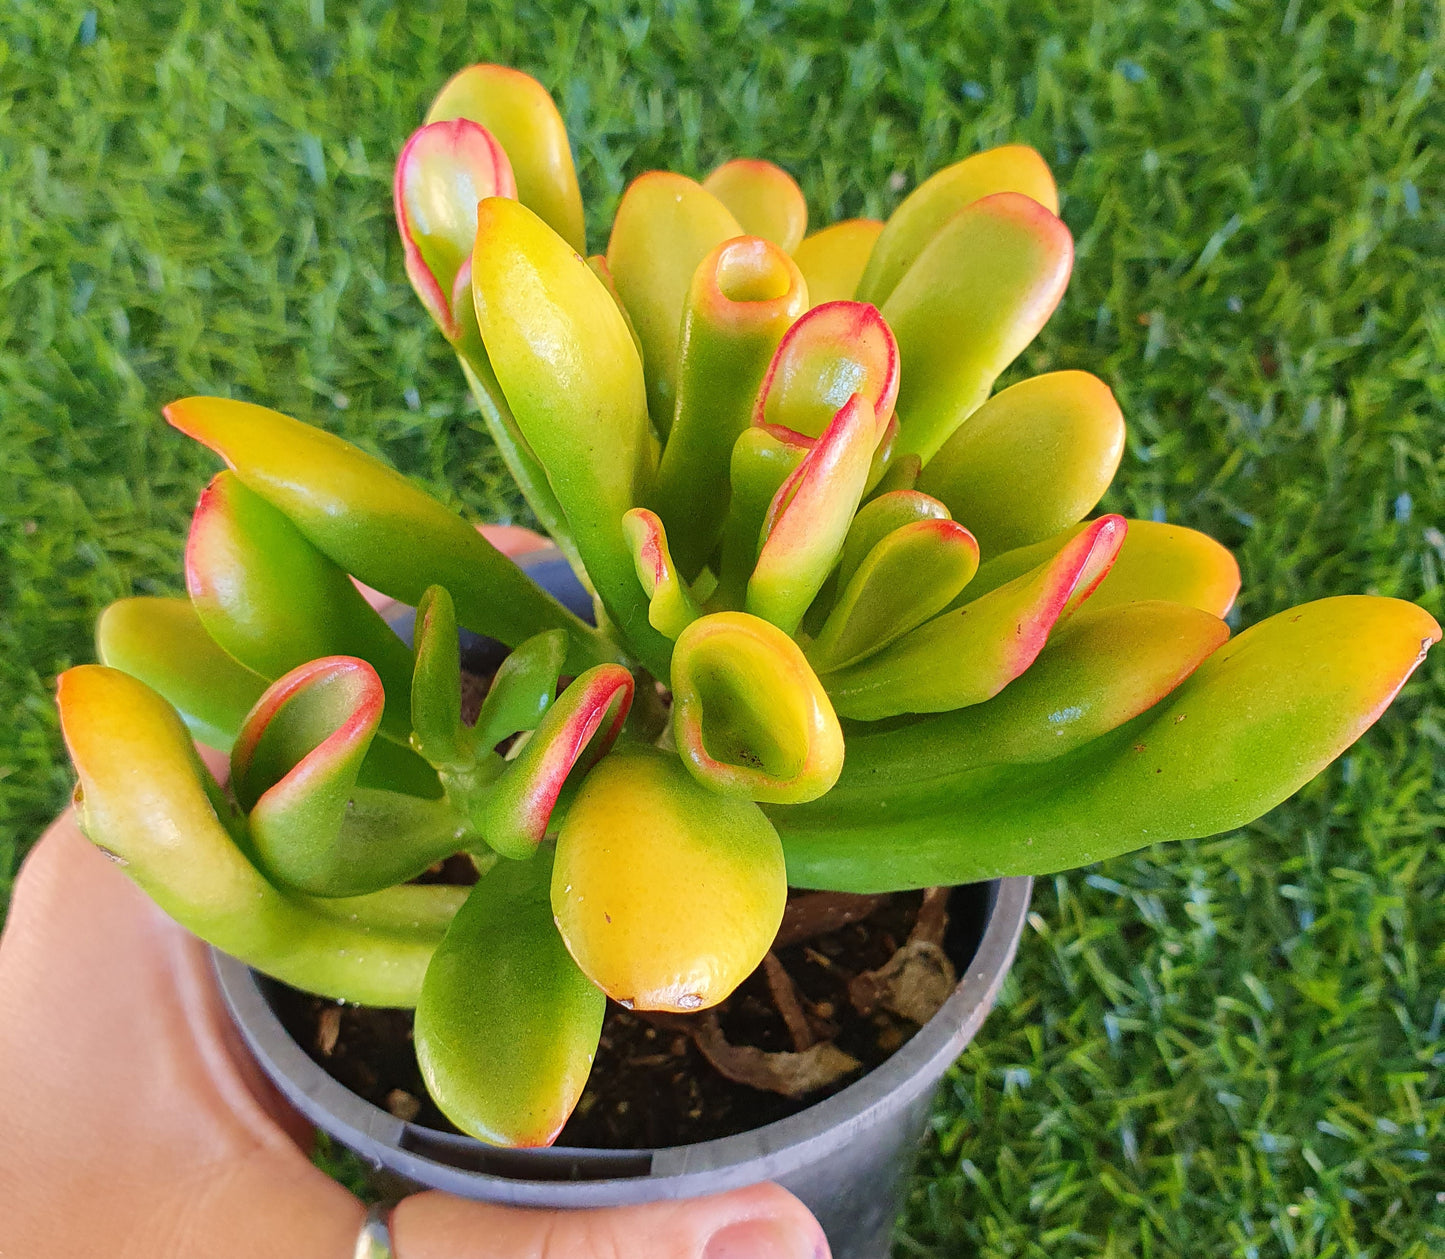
651, 1084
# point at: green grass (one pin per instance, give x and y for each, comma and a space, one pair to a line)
1230, 1047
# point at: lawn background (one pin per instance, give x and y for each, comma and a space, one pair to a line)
1229, 1047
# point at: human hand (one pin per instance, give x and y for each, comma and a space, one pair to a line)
134, 1123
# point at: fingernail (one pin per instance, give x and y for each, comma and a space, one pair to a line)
765, 1239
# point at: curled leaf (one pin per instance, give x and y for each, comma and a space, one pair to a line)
809, 517
969, 654
665, 225
352, 507
273, 601
174, 833
579, 727
830, 354
749, 715
671, 607
910, 575
521, 114
444, 169
744, 296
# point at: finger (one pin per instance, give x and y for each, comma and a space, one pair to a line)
128, 1109
761, 1222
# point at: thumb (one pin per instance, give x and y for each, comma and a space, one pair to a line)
760, 1222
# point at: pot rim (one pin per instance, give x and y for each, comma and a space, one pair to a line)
565, 1176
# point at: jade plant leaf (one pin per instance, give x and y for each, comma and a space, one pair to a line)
969, 654
521, 114
173, 832
444, 169
352, 508
667, 894
437, 732
1031, 461
744, 296
566, 363
163, 643
975, 296
1157, 561
763, 459
749, 715
1256, 721
924, 212
294, 769
910, 575
830, 354
832, 260
1097, 671
809, 518
666, 224
878, 518
671, 607
764, 198
576, 730
507, 1025
273, 601
522, 689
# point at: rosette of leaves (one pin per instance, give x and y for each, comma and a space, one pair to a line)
876, 640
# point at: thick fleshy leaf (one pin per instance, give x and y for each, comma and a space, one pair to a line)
901, 474
880, 517
507, 1025
969, 654
518, 110
163, 643
522, 690
1031, 461
764, 199
744, 296
924, 212
974, 298
1099, 670
172, 830
295, 768
273, 601
569, 370
1157, 561
832, 260
667, 894
426, 909
1250, 726
444, 169
911, 575
762, 461
830, 354
354, 509
665, 225
671, 607
597, 264
437, 732
809, 518
579, 727
750, 717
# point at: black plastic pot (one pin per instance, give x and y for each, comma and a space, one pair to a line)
847, 1157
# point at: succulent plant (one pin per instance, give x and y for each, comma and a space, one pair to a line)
854, 628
